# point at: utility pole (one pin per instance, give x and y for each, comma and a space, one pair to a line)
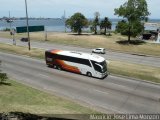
29, 46
13, 35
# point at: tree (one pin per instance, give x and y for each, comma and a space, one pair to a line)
3, 76
95, 22
135, 11
105, 24
122, 27
77, 22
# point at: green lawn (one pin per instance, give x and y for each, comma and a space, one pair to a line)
20, 98
135, 71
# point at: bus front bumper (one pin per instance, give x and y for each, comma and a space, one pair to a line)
103, 75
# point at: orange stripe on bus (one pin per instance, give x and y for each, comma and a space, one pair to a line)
56, 51
68, 67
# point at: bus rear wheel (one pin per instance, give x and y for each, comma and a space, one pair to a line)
89, 74
54, 66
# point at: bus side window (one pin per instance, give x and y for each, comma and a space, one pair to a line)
75, 60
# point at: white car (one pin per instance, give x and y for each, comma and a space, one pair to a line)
99, 50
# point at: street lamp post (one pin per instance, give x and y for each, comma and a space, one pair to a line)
29, 47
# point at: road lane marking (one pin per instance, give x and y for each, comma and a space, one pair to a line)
101, 91
44, 76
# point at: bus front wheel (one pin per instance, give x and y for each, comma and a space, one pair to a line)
89, 74
58, 67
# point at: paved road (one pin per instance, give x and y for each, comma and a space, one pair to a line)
113, 94
144, 60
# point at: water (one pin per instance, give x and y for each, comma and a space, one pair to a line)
50, 24
58, 25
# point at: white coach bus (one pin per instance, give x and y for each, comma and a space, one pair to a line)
78, 62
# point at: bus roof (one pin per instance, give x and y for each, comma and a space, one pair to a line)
78, 54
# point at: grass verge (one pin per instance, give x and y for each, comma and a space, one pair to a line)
21, 98
138, 71
37, 53
116, 42
135, 70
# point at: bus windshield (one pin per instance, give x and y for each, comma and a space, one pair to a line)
104, 66
100, 66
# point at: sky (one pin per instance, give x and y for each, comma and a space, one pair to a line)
56, 8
